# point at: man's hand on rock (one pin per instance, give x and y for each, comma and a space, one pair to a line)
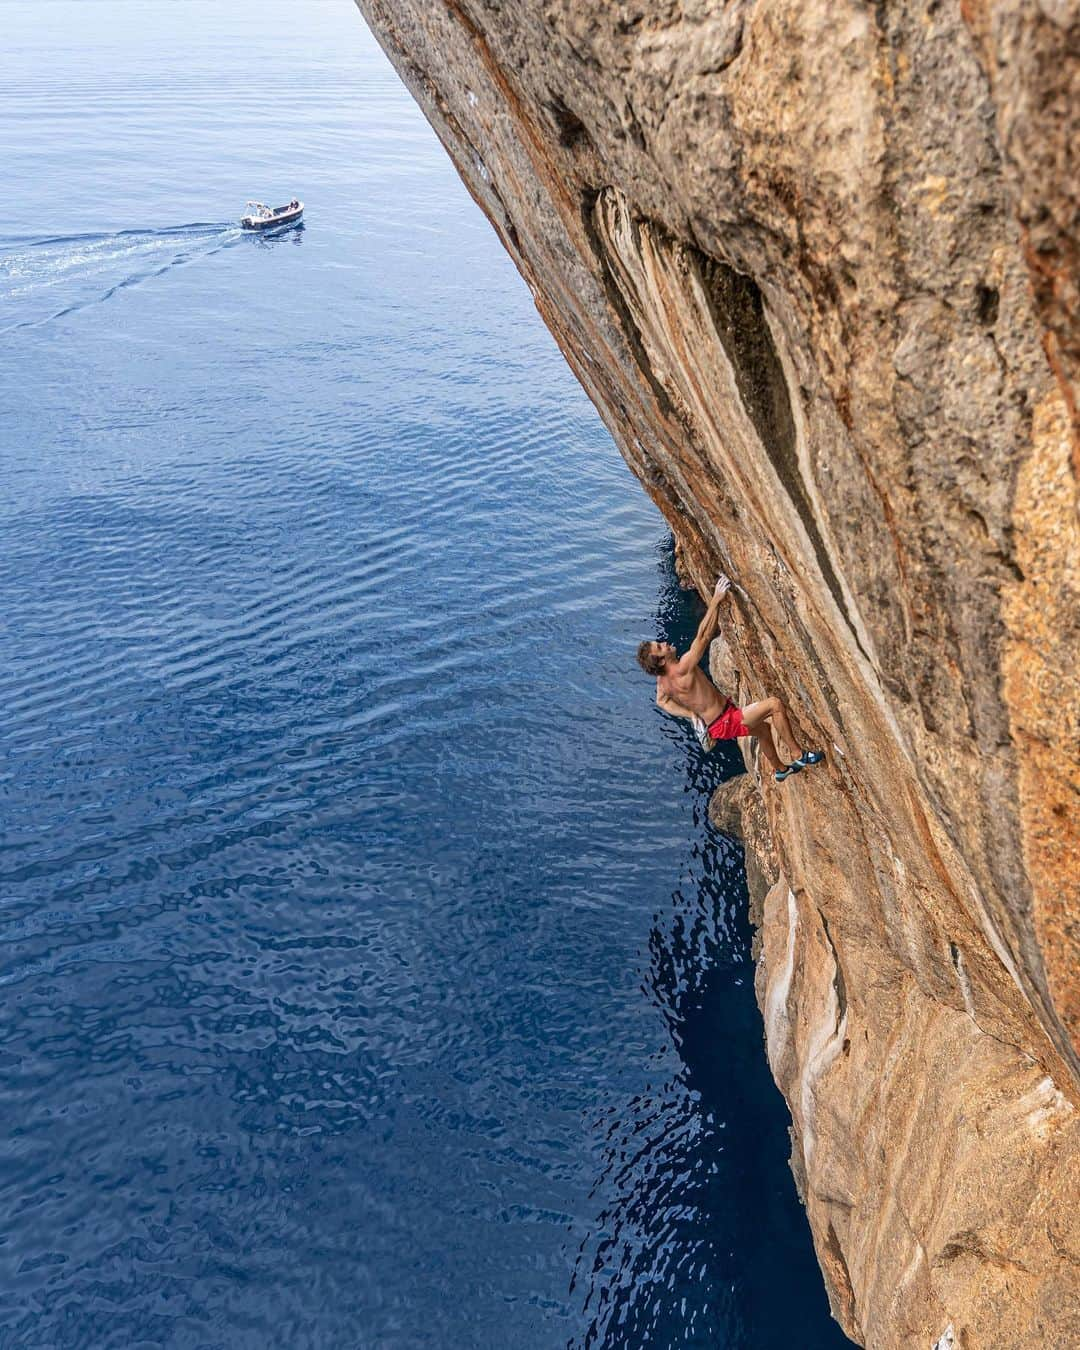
722, 587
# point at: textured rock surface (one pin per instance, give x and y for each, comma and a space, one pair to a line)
815, 263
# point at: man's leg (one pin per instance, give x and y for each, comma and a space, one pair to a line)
758, 717
763, 736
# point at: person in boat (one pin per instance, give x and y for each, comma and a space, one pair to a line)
684, 690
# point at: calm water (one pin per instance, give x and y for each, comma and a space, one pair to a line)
370, 974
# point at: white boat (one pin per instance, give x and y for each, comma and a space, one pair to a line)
259, 217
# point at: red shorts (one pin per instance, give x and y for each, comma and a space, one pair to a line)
729, 724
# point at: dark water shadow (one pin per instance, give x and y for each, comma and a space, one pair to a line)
700, 1239
292, 233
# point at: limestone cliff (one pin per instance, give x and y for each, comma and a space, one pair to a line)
816, 263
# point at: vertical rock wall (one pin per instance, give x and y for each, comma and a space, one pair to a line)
815, 263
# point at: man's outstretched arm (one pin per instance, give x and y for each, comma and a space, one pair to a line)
707, 628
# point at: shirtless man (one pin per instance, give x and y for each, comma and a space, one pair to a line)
683, 689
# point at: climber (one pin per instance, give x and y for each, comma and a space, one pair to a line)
684, 690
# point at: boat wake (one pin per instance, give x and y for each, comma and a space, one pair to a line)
46, 278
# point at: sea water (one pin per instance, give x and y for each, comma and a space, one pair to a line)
370, 973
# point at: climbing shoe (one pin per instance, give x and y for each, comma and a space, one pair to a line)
807, 758
794, 767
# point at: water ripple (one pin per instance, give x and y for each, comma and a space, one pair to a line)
371, 975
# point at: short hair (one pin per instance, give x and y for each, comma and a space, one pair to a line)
649, 661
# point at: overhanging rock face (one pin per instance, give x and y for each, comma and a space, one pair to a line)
815, 263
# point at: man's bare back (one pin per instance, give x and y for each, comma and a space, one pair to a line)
682, 687
693, 690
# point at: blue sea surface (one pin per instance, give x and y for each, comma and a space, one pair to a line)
370, 974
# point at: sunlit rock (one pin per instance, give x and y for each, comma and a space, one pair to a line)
816, 265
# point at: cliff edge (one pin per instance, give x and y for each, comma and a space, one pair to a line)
816, 265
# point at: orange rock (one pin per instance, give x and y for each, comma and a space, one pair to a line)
815, 263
